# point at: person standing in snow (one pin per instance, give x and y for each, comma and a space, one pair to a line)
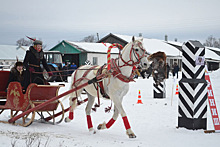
168, 70
175, 70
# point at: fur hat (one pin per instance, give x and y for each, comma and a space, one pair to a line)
18, 63
38, 42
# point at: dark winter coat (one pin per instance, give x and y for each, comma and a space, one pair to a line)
168, 70
34, 59
15, 76
65, 72
176, 69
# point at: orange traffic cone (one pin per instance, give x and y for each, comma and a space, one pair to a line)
139, 98
177, 90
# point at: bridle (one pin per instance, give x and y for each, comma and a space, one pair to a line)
134, 52
113, 64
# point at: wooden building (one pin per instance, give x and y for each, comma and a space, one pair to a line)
79, 52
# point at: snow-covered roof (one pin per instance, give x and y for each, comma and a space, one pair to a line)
213, 48
174, 43
211, 55
95, 47
10, 52
154, 45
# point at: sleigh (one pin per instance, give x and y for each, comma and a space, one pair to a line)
18, 102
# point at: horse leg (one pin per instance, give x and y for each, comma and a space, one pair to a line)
90, 103
73, 103
129, 132
118, 104
110, 122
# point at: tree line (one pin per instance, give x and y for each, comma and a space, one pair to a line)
212, 42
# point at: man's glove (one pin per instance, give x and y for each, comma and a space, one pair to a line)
31, 69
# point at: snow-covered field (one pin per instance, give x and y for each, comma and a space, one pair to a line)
154, 123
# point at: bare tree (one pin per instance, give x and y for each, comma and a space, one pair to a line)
23, 42
90, 38
212, 42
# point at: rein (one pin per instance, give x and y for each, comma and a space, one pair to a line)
62, 71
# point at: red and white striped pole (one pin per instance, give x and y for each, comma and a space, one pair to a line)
109, 53
212, 105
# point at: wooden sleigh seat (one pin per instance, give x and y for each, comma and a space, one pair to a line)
4, 76
41, 93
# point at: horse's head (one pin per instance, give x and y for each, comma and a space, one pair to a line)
133, 52
158, 66
144, 63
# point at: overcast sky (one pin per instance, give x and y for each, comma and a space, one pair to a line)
56, 20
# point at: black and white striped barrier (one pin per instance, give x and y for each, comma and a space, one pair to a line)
192, 105
159, 90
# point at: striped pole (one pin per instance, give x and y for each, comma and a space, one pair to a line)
159, 90
192, 105
212, 105
109, 53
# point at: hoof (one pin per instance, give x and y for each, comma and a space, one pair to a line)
92, 131
67, 120
132, 136
101, 126
130, 133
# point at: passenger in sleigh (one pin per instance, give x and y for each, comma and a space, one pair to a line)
17, 74
33, 59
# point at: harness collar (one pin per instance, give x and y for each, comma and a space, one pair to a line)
116, 72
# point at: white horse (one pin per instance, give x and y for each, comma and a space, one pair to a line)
115, 86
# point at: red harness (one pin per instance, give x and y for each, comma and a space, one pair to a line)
116, 72
115, 69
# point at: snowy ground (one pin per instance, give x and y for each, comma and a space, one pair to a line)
154, 122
